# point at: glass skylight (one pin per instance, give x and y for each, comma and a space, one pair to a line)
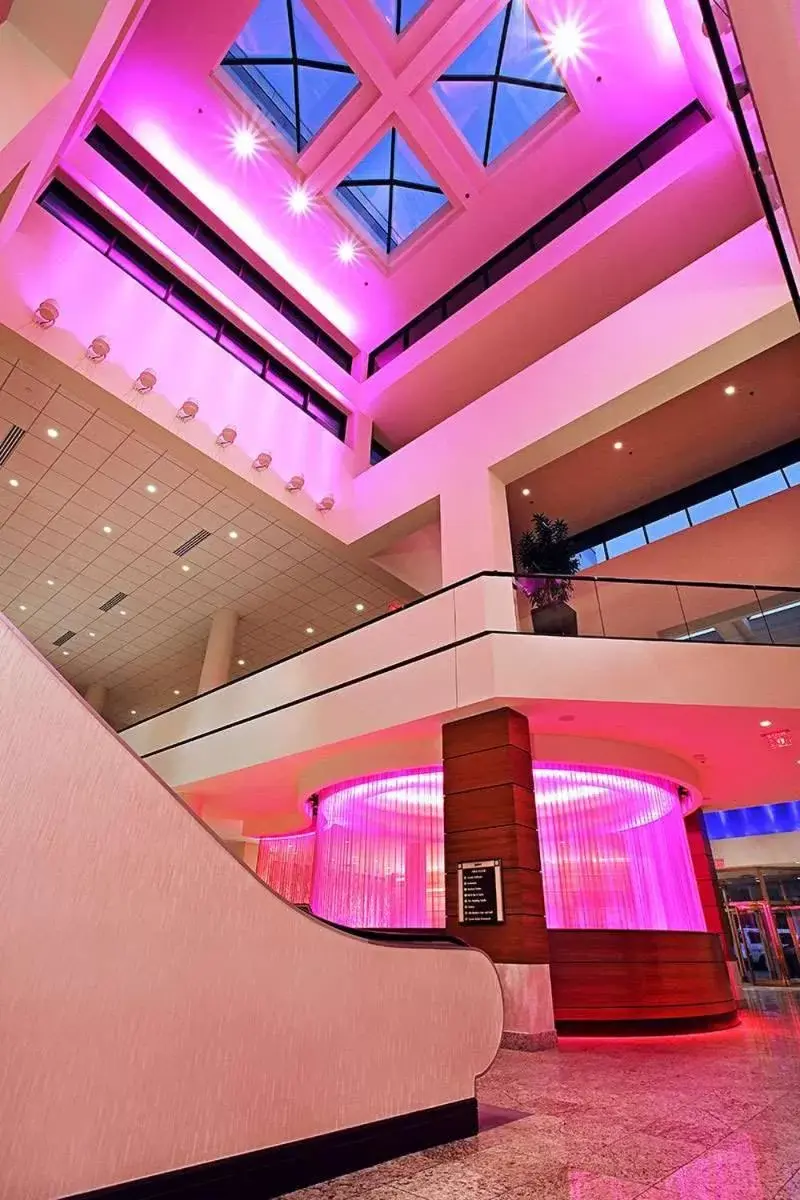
400, 13
502, 84
390, 192
290, 69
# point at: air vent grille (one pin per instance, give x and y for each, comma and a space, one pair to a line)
10, 442
64, 637
113, 602
191, 542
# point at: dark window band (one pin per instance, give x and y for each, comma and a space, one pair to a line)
95, 229
638, 160
155, 190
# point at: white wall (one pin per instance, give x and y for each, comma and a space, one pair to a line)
161, 1007
767, 850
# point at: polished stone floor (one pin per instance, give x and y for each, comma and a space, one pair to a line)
712, 1116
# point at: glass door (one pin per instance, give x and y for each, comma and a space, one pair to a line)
787, 928
757, 944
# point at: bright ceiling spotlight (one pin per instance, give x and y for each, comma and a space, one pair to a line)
566, 42
347, 250
52, 434
618, 445
526, 491
13, 483
46, 314
299, 200
730, 390
151, 488
245, 142
765, 724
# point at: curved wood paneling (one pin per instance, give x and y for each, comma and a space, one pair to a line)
603, 976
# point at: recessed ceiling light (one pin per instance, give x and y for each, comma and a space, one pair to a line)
106, 529
360, 607
309, 628
245, 142
526, 491
185, 567
92, 633
14, 482
240, 661
133, 712
151, 488
566, 41
299, 200
765, 724
52, 433
65, 653
123, 612
176, 691
23, 608
233, 535
51, 583
347, 250
730, 390
617, 445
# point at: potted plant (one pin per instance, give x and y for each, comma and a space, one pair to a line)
546, 549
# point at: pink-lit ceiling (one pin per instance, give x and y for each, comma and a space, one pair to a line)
166, 94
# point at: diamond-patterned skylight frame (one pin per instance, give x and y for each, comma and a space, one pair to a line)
290, 69
503, 84
390, 193
400, 13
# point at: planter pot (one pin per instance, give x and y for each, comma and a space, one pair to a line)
555, 620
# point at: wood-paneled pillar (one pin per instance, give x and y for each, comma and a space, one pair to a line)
710, 891
490, 813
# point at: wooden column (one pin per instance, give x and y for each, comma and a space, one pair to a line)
708, 881
489, 813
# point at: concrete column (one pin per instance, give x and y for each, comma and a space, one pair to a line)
490, 813
219, 651
95, 696
476, 537
359, 439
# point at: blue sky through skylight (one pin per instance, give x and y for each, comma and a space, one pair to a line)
305, 80
502, 84
390, 192
400, 13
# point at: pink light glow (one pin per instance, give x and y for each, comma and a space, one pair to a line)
214, 292
299, 200
285, 863
245, 142
347, 250
222, 201
613, 848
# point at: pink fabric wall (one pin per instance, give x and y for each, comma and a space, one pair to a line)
161, 1006
613, 850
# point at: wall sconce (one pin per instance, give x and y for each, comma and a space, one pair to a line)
46, 314
189, 409
98, 349
262, 461
145, 381
326, 504
296, 483
227, 437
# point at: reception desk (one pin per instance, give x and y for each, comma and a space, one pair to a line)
620, 980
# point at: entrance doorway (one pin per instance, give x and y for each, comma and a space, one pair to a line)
763, 909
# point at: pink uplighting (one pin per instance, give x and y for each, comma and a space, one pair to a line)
285, 864
380, 852
613, 848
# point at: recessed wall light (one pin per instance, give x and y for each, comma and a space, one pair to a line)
730, 390
765, 724
360, 607
526, 491
106, 529
233, 535
14, 482
618, 445
52, 433
176, 691
309, 628
151, 488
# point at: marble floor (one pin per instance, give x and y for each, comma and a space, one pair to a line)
712, 1116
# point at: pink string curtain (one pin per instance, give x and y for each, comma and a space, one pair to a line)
379, 860
285, 864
